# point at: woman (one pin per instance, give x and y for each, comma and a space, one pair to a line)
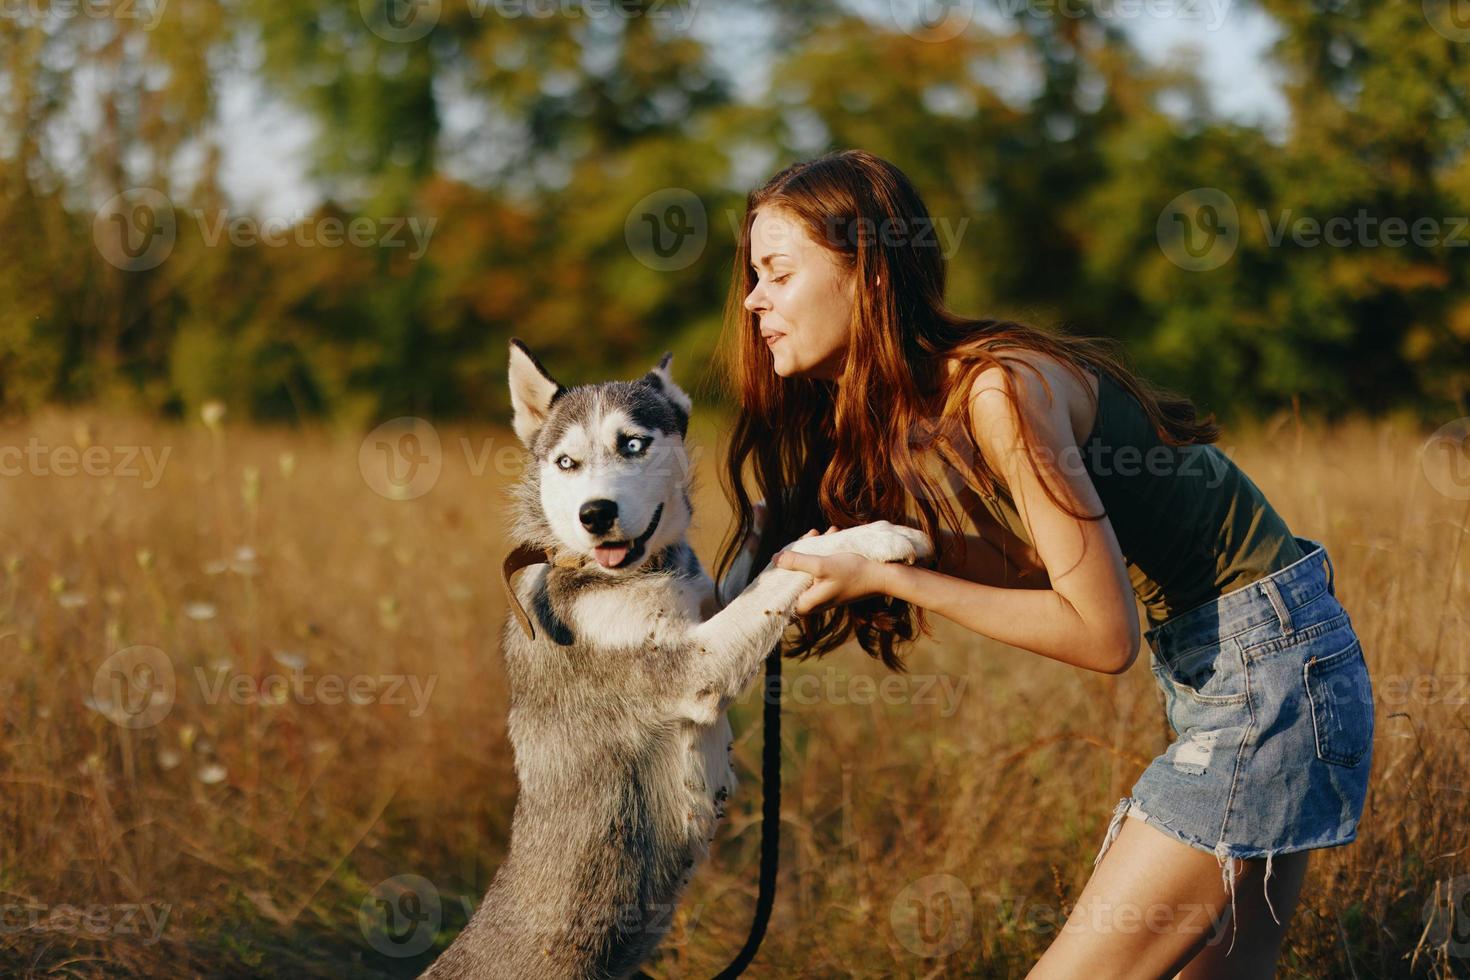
1058, 488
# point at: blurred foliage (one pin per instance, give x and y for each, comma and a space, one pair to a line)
1046, 146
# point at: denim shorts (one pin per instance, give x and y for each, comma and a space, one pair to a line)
1268, 694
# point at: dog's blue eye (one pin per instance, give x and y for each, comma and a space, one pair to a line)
635, 444
565, 462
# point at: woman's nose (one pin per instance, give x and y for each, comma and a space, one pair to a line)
755, 299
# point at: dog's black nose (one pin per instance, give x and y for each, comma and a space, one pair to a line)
598, 515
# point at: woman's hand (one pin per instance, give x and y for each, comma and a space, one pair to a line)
839, 578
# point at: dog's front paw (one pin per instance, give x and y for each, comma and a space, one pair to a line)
879, 541
885, 541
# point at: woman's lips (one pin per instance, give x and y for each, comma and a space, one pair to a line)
771, 340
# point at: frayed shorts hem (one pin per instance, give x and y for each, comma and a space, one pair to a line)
1225, 854
1130, 807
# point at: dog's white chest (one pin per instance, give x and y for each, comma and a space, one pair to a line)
658, 614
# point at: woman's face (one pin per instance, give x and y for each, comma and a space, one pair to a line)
802, 298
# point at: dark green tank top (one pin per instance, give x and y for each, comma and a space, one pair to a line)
1191, 525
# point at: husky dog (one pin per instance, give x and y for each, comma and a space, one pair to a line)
620, 671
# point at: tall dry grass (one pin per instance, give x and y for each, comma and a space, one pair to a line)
937, 825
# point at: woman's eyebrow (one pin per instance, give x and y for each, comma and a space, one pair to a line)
766, 259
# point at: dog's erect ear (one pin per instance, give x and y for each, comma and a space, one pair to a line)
661, 379
532, 391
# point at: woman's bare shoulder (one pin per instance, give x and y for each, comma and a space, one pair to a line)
1046, 379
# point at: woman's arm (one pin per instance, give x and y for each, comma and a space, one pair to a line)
1039, 620
993, 556
1087, 616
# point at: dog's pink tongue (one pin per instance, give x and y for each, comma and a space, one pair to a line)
608, 555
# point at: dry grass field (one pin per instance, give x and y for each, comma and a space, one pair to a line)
321, 784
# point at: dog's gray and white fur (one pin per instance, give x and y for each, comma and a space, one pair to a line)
617, 706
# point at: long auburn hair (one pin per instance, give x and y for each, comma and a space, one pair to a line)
847, 452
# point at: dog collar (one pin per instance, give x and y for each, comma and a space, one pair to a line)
524, 555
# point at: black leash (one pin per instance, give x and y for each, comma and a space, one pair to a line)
770, 819
770, 816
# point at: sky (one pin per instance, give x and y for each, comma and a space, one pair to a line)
266, 156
